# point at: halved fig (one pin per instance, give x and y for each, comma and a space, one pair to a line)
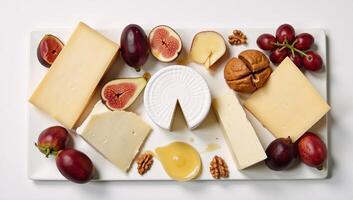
48, 49
121, 93
165, 43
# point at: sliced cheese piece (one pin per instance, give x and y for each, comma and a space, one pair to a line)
71, 80
172, 85
117, 135
242, 139
288, 105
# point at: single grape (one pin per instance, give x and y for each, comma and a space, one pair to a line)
312, 61
285, 31
266, 41
312, 150
134, 46
297, 59
278, 55
282, 154
304, 41
75, 165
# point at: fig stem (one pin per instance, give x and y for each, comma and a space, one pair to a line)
320, 167
146, 76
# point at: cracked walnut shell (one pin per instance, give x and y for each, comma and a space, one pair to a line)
248, 72
219, 168
144, 163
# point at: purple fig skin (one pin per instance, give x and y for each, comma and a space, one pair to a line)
282, 154
52, 140
134, 46
75, 165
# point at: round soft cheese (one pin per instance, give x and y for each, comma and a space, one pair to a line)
177, 84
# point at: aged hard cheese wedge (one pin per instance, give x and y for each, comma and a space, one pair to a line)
71, 80
242, 139
172, 85
117, 135
288, 105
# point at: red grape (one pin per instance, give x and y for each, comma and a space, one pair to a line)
297, 59
304, 41
312, 61
281, 154
285, 31
75, 165
266, 41
134, 46
312, 150
278, 55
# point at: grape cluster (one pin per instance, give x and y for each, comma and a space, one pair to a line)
296, 47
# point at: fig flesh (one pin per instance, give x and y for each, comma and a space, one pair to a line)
281, 154
165, 43
52, 140
121, 93
312, 150
134, 46
48, 49
75, 165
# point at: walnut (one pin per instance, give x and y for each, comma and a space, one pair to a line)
219, 168
144, 163
237, 38
248, 72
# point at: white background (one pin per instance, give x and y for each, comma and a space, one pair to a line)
18, 18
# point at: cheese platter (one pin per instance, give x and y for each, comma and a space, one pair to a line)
118, 141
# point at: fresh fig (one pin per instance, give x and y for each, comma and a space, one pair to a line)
134, 46
165, 43
48, 49
52, 140
75, 165
121, 93
312, 150
281, 154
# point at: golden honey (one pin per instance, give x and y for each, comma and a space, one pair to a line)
180, 160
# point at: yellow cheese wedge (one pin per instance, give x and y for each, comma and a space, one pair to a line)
288, 105
117, 135
238, 131
71, 80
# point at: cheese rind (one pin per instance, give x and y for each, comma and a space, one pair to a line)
238, 131
71, 80
177, 84
288, 105
117, 135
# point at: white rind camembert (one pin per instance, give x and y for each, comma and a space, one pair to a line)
172, 85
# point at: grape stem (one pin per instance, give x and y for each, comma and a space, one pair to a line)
291, 47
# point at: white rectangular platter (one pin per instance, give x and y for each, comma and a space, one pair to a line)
204, 138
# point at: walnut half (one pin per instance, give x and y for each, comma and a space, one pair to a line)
219, 168
237, 38
144, 163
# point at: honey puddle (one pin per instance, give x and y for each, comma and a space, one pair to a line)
180, 160
212, 147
